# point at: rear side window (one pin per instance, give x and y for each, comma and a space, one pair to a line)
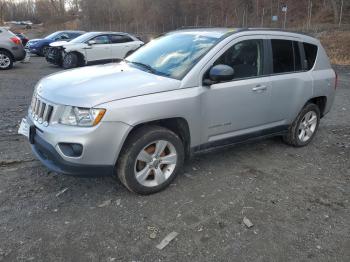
286, 56
282, 55
310, 55
117, 39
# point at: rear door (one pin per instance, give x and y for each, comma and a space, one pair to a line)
120, 45
291, 85
100, 50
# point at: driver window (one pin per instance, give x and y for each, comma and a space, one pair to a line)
101, 40
246, 58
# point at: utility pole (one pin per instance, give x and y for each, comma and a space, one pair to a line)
341, 12
262, 17
285, 10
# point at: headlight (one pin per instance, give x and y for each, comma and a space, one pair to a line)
79, 116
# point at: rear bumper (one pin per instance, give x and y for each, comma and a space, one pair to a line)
18, 53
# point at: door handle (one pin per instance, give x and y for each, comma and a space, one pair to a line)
259, 88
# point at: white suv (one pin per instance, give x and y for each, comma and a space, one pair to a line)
92, 48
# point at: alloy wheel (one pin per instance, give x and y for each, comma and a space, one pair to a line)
307, 126
5, 61
155, 163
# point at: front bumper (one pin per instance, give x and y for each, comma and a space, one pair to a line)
48, 155
33, 50
101, 147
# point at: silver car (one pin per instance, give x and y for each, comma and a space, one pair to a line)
185, 92
11, 49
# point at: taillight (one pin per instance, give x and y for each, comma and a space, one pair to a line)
16, 40
336, 81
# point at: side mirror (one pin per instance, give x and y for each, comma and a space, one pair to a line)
91, 42
219, 73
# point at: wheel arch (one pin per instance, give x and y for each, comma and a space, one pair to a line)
81, 57
178, 125
320, 101
7, 51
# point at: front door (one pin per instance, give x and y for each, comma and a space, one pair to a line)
240, 106
100, 49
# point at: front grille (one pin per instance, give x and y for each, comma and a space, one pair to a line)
41, 111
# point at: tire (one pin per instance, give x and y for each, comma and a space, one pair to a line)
153, 175
70, 60
6, 60
306, 123
44, 51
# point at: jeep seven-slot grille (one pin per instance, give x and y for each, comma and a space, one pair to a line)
41, 111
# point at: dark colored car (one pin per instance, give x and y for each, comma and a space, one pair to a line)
23, 38
41, 46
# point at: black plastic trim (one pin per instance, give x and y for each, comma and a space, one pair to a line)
262, 134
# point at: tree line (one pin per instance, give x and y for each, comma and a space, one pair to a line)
165, 15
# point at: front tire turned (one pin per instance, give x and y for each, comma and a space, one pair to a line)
304, 127
150, 160
70, 60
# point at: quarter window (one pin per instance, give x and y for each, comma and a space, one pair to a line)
246, 58
310, 55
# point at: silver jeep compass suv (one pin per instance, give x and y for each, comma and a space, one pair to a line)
182, 93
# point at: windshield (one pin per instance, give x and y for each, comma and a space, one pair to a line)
53, 35
83, 38
173, 55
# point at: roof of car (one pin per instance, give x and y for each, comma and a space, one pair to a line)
219, 32
71, 31
108, 32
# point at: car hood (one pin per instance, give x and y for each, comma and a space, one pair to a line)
60, 43
94, 85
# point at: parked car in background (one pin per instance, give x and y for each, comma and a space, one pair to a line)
23, 38
182, 93
41, 46
11, 49
93, 48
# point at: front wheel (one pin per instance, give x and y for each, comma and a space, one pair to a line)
150, 160
44, 51
70, 60
304, 127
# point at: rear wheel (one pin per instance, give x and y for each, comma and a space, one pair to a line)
304, 127
150, 160
70, 60
6, 61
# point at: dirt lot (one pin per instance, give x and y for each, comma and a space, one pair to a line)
297, 199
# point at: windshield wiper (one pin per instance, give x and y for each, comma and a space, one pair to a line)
148, 67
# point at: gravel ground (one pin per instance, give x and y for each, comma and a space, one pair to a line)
297, 199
